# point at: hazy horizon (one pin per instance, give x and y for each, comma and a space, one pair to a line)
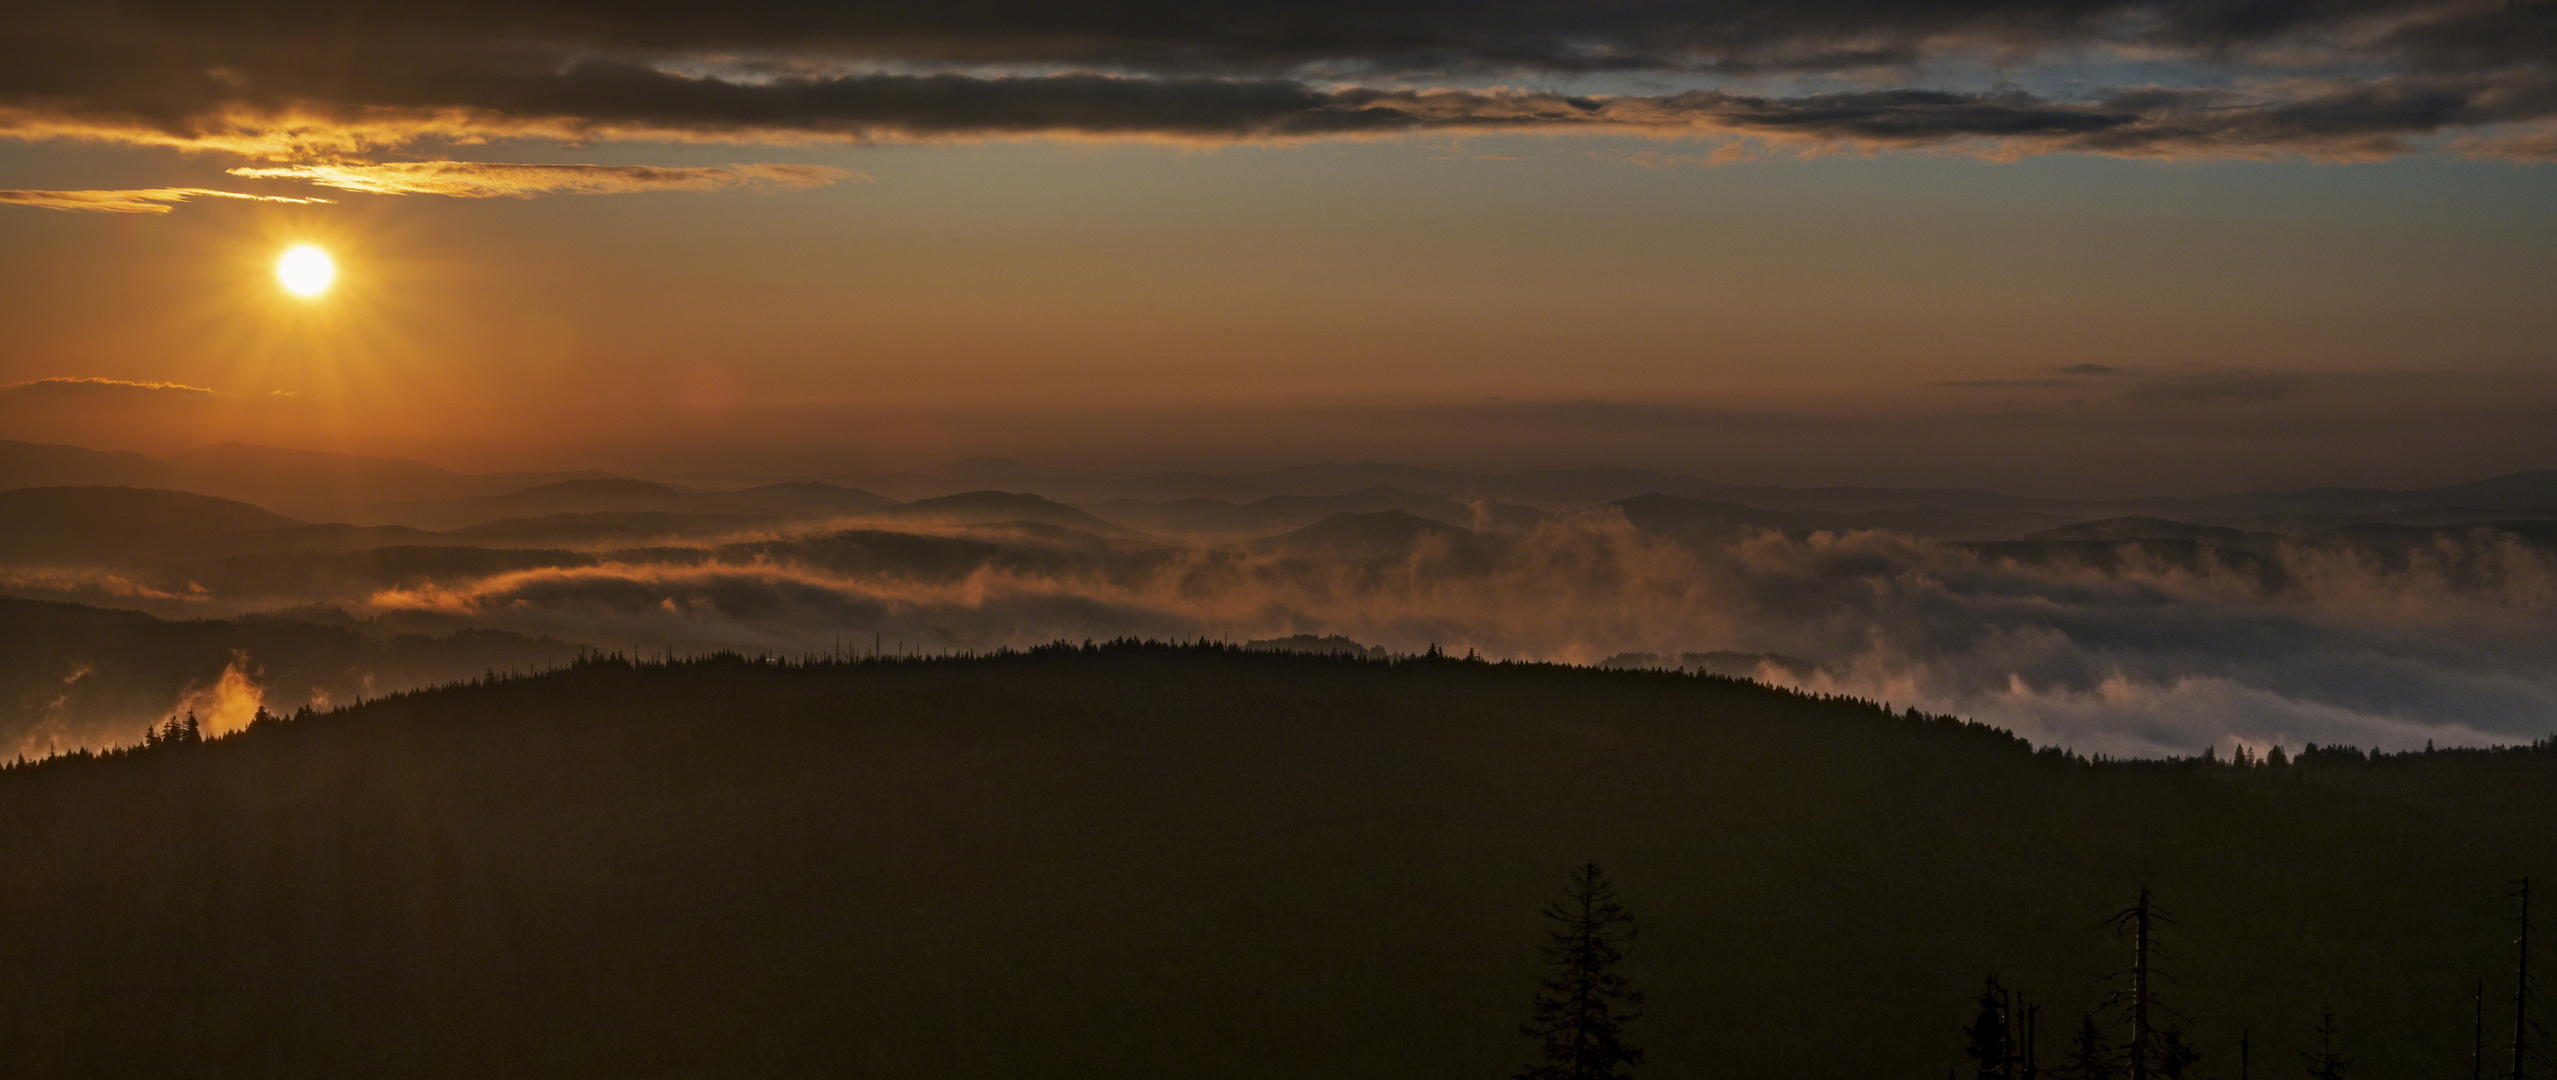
739, 468
2141, 627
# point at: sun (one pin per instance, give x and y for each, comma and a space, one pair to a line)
305, 270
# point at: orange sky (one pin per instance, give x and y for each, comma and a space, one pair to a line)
1877, 273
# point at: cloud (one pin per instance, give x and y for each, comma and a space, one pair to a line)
2003, 384
94, 586
227, 704
1727, 152
2248, 389
2532, 147
2129, 648
2060, 375
1593, 412
90, 387
130, 200
249, 49
488, 180
2355, 79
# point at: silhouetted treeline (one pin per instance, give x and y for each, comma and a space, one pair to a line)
2312, 760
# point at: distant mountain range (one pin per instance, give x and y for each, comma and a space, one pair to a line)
1207, 518
1675, 515
587, 507
979, 507
78, 523
83, 526
1197, 503
1384, 534
597, 495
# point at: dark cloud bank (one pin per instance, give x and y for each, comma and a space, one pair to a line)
335, 84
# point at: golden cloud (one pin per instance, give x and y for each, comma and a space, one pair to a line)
493, 180
132, 200
91, 386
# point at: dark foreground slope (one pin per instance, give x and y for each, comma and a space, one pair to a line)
1149, 861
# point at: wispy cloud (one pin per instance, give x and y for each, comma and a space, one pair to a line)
2242, 388
1594, 412
91, 387
131, 200
1726, 152
2531, 146
491, 180
2152, 389
2004, 384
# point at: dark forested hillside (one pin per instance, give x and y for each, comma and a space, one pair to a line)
1157, 861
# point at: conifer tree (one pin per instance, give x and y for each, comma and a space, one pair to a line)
1581, 1011
2091, 1055
2169, 1058
2326, 1064
1990, 1040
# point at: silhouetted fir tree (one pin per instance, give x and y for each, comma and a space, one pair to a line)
2091, 1055
2326, 1064
2169, 1058
1579, 1019
1991, 1038
174, 732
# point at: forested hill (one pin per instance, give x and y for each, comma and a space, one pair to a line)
1168, 861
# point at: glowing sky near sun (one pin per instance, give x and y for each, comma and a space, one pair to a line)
2126, 245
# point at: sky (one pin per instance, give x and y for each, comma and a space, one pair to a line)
2082, 247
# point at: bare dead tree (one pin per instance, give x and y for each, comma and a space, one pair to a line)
2154, 1049
2522, 1026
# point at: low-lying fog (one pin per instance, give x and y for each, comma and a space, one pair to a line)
2128, 641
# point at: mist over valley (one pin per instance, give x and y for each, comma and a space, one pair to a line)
2141, 627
